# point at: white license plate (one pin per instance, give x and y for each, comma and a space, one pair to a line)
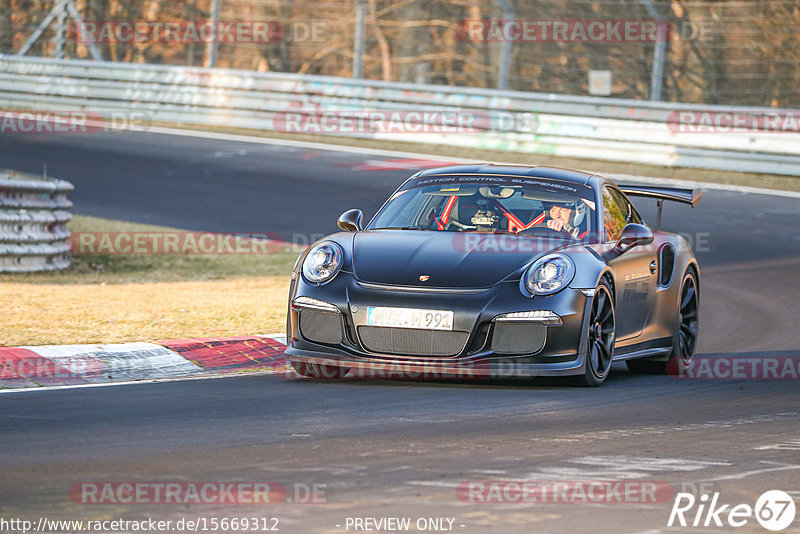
410, 318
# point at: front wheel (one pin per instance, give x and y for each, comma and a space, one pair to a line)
600, 338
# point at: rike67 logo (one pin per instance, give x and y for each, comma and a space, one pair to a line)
774, 510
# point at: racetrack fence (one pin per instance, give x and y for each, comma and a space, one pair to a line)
111, 94
34, 211
716, 52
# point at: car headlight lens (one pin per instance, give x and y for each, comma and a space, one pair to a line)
323, 262
549, 274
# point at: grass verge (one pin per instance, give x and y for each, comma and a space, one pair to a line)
105, 298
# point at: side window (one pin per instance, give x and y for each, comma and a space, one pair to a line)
634, 215
615, 213
631, 216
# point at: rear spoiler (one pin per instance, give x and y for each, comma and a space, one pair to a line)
676, 194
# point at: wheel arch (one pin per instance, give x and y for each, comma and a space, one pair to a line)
695, 268
608, 275
590, 269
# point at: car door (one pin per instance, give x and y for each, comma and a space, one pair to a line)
634, 271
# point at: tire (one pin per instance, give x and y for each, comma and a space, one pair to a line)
684, 337
600, 338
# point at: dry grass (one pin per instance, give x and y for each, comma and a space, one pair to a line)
110, 299
40, 314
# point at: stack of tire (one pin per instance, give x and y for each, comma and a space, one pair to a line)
34, 212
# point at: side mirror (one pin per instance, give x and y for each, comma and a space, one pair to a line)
632, 235
350, 221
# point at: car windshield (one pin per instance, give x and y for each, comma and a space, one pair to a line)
518, 205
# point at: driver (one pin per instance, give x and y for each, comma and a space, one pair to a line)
485, 219
564, 218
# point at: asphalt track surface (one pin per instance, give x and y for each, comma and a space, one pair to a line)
400, 448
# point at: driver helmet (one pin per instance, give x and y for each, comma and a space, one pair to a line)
577, 211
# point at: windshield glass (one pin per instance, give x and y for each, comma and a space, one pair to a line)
517, 205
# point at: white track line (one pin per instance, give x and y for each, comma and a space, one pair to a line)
444, 159
301, 144
134, 382
746, 474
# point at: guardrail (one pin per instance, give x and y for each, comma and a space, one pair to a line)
571, 126
33, 223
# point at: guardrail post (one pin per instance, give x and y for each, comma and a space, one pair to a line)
358, 39
213, 45
505, 46
60, 31
659, 54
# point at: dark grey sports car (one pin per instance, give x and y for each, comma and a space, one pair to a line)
497, 271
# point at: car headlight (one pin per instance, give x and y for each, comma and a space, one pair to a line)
549, 274
322, 262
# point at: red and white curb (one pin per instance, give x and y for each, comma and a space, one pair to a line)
84, 365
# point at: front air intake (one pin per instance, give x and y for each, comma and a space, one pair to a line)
518, 337
321, 326
412, 342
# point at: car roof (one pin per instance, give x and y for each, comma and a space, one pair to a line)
537, 171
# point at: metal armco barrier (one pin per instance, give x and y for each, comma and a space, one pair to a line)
33, 223
569, 126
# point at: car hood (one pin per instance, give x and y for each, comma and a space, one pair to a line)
449, 259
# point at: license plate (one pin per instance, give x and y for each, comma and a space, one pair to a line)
410, 318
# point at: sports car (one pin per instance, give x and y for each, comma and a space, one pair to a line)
498, 271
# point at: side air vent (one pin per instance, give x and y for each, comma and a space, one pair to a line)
666, 261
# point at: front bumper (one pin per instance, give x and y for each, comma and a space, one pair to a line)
339, 340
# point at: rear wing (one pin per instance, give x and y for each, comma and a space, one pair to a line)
676, 194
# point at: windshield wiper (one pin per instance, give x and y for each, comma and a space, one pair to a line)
401, 228
562, 235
